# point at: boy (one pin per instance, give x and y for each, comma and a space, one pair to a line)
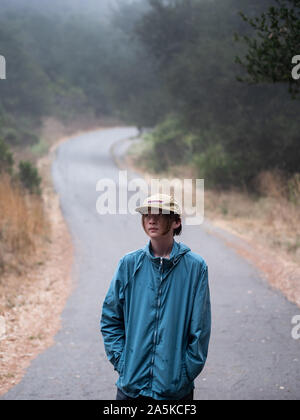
156, 315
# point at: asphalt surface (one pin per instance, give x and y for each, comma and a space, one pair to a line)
252, 354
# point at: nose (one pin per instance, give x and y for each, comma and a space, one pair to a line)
153, 218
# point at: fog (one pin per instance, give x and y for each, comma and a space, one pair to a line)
98, 8
166, 64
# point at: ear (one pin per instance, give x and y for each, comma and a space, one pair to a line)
176, 224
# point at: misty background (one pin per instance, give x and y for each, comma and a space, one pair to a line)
168, 65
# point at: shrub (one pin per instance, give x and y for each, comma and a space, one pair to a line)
215, 166
6, 158
11, 136
29, 177
168, 145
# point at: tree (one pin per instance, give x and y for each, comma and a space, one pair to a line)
192, 42
276, 42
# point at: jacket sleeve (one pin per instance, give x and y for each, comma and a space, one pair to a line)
112, 318
200, 327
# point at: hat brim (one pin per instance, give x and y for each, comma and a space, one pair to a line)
145, 210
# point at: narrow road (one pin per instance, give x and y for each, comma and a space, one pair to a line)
252, 354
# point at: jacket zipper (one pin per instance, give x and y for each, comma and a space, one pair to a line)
156, 319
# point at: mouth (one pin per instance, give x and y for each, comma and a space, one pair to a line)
153, 229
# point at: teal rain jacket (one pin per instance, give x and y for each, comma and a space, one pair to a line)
156, 322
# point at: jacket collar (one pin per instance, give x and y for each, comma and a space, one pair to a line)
178, 250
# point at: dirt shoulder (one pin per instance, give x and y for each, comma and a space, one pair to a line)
33, 298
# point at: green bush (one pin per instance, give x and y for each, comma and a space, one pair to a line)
11, 136
6, 158
168, 144
29, 138
29, 177
215, 166
18, 137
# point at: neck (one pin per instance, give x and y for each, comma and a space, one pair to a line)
162, 247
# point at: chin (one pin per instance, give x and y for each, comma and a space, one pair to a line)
154, 234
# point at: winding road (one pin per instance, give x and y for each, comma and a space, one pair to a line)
252, 354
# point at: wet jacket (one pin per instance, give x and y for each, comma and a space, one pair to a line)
156, 322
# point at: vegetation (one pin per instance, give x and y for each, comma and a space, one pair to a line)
6, 158
165, 64
276, 41
237, 130
23, 223
29, 177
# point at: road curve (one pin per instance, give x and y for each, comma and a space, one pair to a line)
252, 354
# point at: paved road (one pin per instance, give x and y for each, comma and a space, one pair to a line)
252, 354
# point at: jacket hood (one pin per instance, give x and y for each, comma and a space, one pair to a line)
178, 250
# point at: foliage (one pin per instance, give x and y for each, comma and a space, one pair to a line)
275, 42
29, 177
238, 130
89, 66
6, 158
168, 144
164, 63
215, 166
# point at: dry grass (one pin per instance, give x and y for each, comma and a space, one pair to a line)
272, 217
27, 327
22, 223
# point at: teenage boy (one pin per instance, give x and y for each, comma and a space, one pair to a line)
156, 316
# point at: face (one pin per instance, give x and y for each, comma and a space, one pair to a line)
156, 225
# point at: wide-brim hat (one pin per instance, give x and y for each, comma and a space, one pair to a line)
164, 202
